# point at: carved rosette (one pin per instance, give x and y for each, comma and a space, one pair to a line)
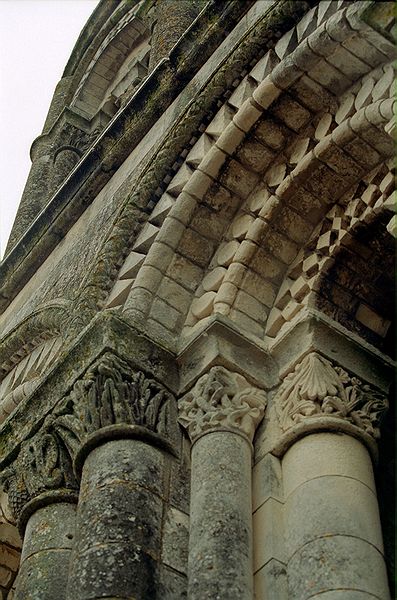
317, 388
222, 400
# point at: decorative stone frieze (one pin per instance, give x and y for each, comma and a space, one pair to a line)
317, 388
222, 399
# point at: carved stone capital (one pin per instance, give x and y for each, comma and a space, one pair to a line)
43, 465
317, 389
222, 400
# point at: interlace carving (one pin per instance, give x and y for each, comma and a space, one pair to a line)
316, 388
222, 399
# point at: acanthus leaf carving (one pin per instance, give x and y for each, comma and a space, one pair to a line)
317, 388
222, 399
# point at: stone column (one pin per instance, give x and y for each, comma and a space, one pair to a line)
329, 420
42, 494
220, 415
123, 482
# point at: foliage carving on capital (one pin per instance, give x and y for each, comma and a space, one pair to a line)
317, 388
44, 463
113, 393
222, 399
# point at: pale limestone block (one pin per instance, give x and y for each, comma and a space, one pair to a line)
213, 279
230, 138
212, 162
347, 63
368, 317
321, 42
265, 66
202, 307
338, 26
171, 232
131, 265
323, 126
298, 150
266, 93
299, 288
161, 209
329, 77
225, 254
326, 8
364, 96
274, 322
145, 238
370, 194
310, 265
331, 505
175, 539
286, 43
148, 278
337, 562
390, 202
183, 208
174, 294
268, 527
364, 50
270, 208
221, 120
266, 481
243, 91
257, 199
119, 293
321, 454
275, 175
307, 24
165, 314
249, 325
183, 271
240, 226
198, 185
179, 180
257, 230
292, 309
250, 306
226, 293
270, 582
199, 150
247, 115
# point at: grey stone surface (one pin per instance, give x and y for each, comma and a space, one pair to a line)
119, 523
270, 582
46, 553
337, 562
220, 561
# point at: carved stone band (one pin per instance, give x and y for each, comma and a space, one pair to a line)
318, 389
221, 400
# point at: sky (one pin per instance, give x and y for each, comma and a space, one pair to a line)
36, 40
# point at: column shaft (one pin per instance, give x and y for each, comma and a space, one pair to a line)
220, 546
119, 522
46, 553
333, 534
